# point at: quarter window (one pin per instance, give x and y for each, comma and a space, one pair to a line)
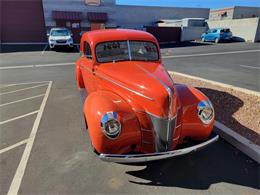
87, 51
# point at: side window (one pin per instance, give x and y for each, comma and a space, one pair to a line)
87, 51
214, 30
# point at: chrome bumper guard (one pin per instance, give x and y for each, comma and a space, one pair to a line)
137, 158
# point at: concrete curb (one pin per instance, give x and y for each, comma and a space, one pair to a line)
250, 149
246, 146
247, 91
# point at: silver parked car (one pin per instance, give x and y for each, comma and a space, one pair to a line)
60, 37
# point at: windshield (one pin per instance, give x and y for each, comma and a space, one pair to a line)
60, 33
126, 51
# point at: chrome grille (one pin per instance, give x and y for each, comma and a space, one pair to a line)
61, 41
163, 131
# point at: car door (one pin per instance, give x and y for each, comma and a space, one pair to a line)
86, 66
214, 34
207, 35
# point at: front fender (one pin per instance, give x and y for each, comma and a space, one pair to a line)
95, 106
192, 126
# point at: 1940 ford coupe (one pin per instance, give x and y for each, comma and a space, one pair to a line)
133, 110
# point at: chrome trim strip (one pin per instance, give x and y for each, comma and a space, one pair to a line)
85, 68
129, 50
147, 130
145, 142
124, 87
137, 158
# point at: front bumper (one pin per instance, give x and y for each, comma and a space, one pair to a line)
137, 158
54, 44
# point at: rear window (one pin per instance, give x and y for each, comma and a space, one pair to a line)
225, 30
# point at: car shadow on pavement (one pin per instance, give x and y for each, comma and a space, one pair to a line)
218, 163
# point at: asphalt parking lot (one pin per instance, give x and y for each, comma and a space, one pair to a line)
45, 149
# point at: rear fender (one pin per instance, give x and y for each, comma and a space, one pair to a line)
95, 106
79, 79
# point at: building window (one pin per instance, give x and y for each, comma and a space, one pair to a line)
68, 24
223, 14
87, 51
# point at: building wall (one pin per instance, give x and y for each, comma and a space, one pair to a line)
242, 29
237, 12
107, 6
22, 21
138, 16
246, 12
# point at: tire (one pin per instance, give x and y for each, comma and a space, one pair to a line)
203, 39
217, 40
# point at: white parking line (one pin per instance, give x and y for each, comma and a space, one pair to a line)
36, 66
44, 48
23, 89
27, 83
21, 100
211, 54
13, 146
18, 117
250, 67
16, 182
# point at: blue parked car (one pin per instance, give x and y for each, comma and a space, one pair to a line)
217, 35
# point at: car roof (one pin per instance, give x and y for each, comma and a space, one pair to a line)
220, 28
117, 34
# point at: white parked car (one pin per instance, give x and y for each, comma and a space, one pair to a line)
60, 37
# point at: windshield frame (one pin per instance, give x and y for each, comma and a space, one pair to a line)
129, 51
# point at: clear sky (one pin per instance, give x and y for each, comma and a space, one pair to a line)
191, 3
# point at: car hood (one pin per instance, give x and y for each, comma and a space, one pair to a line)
149, 80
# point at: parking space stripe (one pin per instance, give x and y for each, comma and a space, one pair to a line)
44, 48
16, 182
21, 100
36, 66
18, 117
27, 83
13, 146
250, 67
212, 54
23, 89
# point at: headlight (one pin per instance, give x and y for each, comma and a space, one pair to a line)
205, 111
110, 125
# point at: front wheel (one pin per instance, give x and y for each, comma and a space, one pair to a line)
203, 39
217, 40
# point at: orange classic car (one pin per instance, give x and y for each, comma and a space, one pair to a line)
133, 110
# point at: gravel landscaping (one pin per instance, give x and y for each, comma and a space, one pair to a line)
235, 109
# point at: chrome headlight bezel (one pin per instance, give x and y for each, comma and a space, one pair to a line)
205, 112
108, 122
